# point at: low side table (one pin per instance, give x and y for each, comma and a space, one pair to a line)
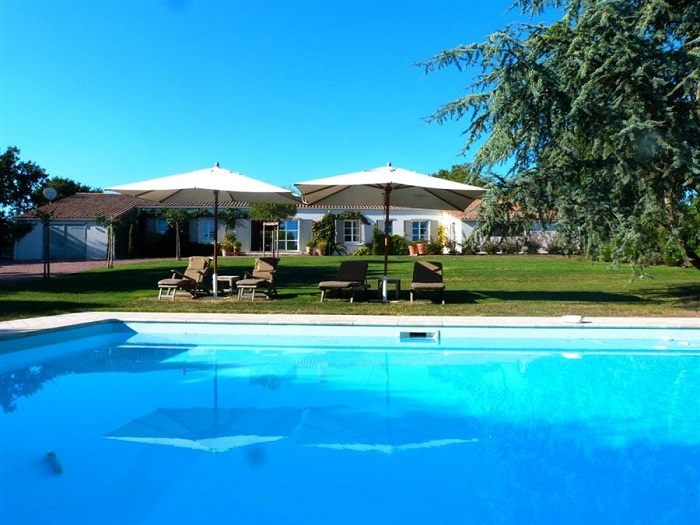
383, 284
229, 281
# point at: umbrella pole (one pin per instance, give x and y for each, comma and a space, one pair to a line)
214, 282
387, 198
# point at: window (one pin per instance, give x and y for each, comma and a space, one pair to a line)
380, 226
289, 236
162, 225
351, 231
206, 230
420, 230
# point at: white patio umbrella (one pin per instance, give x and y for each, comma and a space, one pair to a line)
217, 184
389, 186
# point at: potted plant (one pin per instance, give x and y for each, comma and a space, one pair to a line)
237, 247
228, 245
321, 247
226, 248
421, 247
412, 249
310, 245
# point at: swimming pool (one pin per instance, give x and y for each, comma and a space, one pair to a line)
143, 422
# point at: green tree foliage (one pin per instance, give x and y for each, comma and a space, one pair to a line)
178, 219
134, 241
18, 181
272, 212
464, 174
324, 230
109, 223
64, 188
596, 117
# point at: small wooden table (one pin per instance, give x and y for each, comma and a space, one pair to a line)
229, 281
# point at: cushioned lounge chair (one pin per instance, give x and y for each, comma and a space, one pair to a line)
352, 275
261, 278
192, 280
427, 277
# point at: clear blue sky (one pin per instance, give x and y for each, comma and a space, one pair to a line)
106, 92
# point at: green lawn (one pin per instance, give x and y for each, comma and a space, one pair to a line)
476, 286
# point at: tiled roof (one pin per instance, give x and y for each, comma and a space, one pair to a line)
91, 205
470, 214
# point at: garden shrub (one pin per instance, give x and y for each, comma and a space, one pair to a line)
397, 244
672, 254
434, 248
364, 250
510, 246
490, 247
606, 252
470, 245
533, 244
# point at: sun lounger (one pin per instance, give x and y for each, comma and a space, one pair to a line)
261, 278
427, 277
192, 280
352, 276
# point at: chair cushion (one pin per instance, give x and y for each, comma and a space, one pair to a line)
174, 282
340, 284
251, 282
427, 286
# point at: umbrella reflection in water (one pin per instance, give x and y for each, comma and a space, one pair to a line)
343, 428
386, 429
212, 429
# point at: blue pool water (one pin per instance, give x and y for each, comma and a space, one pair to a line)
281, 424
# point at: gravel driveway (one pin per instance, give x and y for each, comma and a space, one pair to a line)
35, 269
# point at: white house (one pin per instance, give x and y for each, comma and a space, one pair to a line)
411, 224
76, 234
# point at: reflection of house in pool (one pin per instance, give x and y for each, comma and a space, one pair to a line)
28, 380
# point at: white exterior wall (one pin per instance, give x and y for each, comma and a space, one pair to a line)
399, 218
31, 246
96, 242
544, 234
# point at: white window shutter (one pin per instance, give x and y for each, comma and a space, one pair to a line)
339, 232
433, 230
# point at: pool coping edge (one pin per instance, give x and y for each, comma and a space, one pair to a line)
37, 324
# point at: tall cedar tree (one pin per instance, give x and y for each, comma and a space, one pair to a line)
594, 117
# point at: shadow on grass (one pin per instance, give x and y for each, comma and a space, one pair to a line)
687, 295
563, 296
10, 309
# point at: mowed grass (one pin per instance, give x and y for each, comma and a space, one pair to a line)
496, 285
